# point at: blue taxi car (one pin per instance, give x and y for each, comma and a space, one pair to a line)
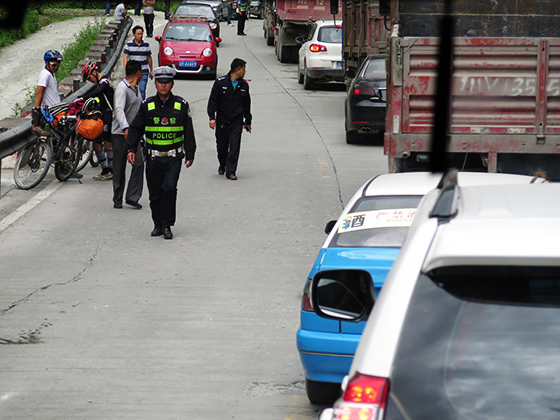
367, 235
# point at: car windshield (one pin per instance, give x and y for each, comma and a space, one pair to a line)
374, 69
481, 343
330, 34
196, 10
188, 32
380, 222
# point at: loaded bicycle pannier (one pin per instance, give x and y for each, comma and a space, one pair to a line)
90, 125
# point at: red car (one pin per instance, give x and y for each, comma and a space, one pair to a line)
187, 45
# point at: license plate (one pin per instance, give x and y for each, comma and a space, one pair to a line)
188, 64
338, 64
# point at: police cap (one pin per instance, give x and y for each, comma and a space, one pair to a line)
164, 73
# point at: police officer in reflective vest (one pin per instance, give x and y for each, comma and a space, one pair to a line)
166, 121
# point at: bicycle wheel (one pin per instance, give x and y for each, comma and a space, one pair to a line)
93, 159
85, 155
32, 164
65, 167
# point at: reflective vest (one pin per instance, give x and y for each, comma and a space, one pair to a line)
164, 130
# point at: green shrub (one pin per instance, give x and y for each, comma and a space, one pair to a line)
76, 51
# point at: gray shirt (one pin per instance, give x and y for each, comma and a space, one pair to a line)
127, 101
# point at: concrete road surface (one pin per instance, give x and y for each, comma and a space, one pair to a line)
100, 321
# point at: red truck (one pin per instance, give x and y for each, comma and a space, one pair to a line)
365, 33
505, 113
285, 20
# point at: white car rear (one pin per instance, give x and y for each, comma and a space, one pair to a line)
320, 55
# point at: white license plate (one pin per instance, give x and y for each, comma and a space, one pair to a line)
187, 64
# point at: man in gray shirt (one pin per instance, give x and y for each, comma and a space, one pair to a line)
127, 101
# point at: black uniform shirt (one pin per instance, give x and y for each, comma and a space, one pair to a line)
230, 104
163, 109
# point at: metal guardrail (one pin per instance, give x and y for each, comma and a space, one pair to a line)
16, 138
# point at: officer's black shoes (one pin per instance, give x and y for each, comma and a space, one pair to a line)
117, 206
134, 204
221, 170
233, 177
167, 234
158, 231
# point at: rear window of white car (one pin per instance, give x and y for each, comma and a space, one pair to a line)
378, 222
481, 343
330, 34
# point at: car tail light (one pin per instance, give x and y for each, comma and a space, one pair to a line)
364, 90
306, 304
317, 48
364, 399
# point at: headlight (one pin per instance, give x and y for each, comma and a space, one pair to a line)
168, 50
207, 52
213, 26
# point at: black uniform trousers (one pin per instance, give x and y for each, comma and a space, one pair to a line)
241, 18
228, 144
136, 181
162, 176
149, 22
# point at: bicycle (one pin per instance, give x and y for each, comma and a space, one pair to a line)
62, 146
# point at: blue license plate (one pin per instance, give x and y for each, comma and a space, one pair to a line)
187, 64
338, 64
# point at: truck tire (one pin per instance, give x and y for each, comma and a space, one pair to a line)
284, 54
322, 393
269, 37
308, 82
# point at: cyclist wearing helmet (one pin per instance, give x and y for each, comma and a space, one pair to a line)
47, 87
104, 92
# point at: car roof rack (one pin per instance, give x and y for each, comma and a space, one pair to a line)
445, 207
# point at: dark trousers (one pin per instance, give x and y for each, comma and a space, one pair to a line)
138, 7
162, 176
149, 22
136, 181
228, 144
241, 22
167, 12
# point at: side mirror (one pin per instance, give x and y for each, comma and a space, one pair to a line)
218, 39
158, 38
300, 39
334, 7
385, 7
349, 74
344, 295
329, 226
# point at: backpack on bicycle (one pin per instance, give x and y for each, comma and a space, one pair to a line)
90, 125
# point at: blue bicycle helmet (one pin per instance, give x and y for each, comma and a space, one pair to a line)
52, 55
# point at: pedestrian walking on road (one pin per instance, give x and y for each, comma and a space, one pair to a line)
230, 7
229, 109
166, 121
241, 16
139, 50
108, 9
127, 104
149, 17
104, 92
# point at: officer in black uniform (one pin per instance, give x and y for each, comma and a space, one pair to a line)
166, 120
229, 104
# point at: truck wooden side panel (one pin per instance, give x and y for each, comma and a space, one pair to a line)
364, 32
505, 96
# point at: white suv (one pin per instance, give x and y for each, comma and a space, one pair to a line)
466, 325
320, 55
